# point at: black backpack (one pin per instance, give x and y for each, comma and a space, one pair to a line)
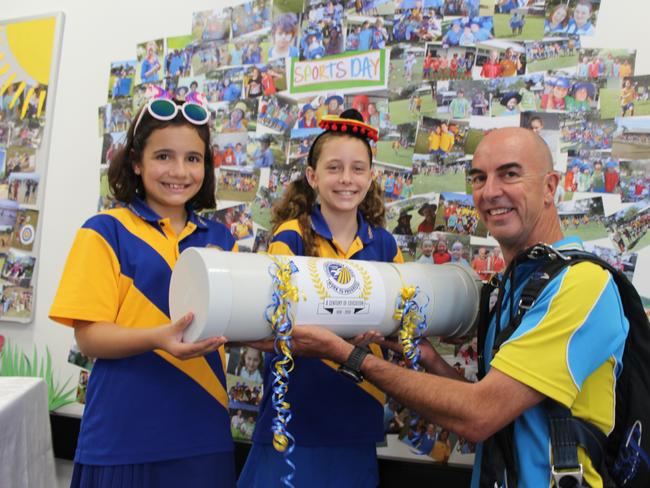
622, 457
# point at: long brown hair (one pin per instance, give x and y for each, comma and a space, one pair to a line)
300, 198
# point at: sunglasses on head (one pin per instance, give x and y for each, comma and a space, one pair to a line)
165, 109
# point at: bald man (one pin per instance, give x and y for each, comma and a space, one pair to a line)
568, 346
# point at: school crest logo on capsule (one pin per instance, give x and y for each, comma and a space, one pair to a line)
341, 278
342, 288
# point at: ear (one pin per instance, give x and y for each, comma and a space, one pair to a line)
552, 182
136, 168
310, 173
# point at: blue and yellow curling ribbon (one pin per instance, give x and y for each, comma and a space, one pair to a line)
412, 321
279, 315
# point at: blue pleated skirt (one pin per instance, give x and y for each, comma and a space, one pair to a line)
206, 471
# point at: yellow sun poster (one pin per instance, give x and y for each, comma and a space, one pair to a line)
29, 53
26, 62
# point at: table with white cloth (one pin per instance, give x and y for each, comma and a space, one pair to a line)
26, 455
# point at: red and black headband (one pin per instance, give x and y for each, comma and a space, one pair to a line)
349, 126
350, 123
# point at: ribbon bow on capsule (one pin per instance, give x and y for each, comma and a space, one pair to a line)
279, 315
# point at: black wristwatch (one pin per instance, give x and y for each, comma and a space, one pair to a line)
351, 368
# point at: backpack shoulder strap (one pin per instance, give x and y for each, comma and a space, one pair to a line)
532, 289
484, 318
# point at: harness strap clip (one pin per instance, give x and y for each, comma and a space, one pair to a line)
567, 478
545, 251
525, 303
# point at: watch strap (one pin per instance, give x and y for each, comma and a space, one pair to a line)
351, 368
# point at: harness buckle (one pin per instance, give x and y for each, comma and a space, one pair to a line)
542, 250
568, 478
525, 303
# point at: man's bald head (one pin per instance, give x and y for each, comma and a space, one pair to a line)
513, 186
518, 138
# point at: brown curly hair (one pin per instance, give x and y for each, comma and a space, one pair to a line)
300, 198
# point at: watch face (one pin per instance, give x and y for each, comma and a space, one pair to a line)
355, 376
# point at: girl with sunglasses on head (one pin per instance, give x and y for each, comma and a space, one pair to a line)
335, 210
156, 410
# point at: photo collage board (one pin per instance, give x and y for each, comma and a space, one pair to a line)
26, 87
433, 76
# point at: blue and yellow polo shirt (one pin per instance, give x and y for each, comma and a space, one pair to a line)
328, 409
152, 406
568, 347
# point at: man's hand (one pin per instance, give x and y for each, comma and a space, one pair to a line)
429, 357
314, 341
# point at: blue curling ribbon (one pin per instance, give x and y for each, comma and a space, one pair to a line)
278, 314
413, 321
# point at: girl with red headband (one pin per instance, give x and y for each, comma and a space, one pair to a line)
335, 210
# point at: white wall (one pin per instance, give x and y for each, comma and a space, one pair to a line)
97, 33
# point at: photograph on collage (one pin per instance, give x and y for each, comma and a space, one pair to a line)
584, 218
245, 369
587, 131
626, 97
498, 59
237, 183
628, 227
525, 22
558, 54
486, 260
631, 138
634, 179
623, 262
573, 17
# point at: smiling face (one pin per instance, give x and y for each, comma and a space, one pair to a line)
512, 103
581, 94
236, 115
513, 186
283, 39
333, 105
581, 14
342, 175
457, 251
251, 360
172, 168
427, 248
560, 91
429, 215
536, 126
559, 15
